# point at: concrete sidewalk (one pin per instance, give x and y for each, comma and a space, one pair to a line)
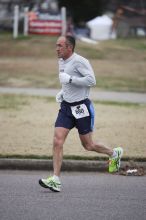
95, 95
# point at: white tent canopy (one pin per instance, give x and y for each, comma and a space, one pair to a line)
100, 28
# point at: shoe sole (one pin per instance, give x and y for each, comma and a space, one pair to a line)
46, 186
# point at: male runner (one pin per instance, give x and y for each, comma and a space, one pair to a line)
76, 110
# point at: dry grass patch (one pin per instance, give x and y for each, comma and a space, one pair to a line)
29, 129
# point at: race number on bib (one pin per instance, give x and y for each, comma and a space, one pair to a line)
80, 111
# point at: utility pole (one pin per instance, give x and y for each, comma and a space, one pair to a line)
63, 19
26, 21
16, 21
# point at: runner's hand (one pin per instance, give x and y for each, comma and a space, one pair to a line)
59, 97
64, 78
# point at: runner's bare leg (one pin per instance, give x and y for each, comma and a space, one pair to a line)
90, 145
60, 135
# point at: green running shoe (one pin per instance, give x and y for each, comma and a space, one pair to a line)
50, 183
114, 162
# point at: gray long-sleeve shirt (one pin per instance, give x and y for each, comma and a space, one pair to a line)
82, 78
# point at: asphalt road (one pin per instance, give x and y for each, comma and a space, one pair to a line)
84, 196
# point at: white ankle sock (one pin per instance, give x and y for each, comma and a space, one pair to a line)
56, 178
114, 153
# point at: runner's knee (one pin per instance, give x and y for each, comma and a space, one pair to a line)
58, 142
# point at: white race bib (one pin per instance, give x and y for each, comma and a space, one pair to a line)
80, 111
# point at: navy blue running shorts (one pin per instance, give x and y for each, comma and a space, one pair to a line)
78, 114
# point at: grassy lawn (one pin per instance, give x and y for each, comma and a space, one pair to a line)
27, 126
119, 65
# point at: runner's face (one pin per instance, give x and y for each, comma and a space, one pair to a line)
63, 50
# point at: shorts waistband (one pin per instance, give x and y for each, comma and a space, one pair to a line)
75, 103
